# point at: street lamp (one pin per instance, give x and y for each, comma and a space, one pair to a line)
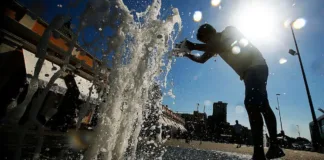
298, 130
282, 132
197, 107
298, 24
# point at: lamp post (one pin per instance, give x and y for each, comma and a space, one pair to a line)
197, 107
282, 132
297, 24
298, 130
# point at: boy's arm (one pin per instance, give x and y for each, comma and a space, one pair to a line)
209, 51
200, 59
198, 47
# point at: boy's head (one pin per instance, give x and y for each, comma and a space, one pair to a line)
206, 32
236, 122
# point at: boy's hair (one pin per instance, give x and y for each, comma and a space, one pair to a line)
205, 29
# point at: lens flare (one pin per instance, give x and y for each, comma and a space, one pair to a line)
299, 23
244, 42
239, 109
215, 3
283, 61
236, 50
287, 23
197, 16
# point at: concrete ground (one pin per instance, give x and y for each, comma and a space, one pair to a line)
244, 150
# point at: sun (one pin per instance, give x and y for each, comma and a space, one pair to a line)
256, 21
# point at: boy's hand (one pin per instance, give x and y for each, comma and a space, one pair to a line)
183, 48
186, 44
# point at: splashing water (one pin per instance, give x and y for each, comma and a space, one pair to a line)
142, 43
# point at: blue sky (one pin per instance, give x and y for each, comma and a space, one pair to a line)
216, 81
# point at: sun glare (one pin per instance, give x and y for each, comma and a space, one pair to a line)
256, 21
215, 3
283, 61
299, 23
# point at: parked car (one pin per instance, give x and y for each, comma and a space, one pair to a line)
296, 146
307, 146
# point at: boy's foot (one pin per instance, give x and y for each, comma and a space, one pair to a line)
260, 157
275, 152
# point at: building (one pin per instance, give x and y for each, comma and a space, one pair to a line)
219, 112
196, 123
195, 117
199, 117
217, 123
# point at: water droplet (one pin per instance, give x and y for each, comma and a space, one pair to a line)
104, 150
100, 29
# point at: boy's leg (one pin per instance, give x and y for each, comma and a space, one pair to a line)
274, 151
256, 123
270, 120
255, 95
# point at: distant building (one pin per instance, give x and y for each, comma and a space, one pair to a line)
199, 117
196, 123
187, 117
195, 117
219, 112
167, 112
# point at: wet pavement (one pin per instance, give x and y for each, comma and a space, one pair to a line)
177, 153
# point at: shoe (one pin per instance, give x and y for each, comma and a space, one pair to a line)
274, 152
254, 157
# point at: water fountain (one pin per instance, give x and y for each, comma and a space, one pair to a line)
143, 44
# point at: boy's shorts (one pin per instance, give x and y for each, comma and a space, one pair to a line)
255, 80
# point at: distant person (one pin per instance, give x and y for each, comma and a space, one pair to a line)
178, 133
248, 62
238, 134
